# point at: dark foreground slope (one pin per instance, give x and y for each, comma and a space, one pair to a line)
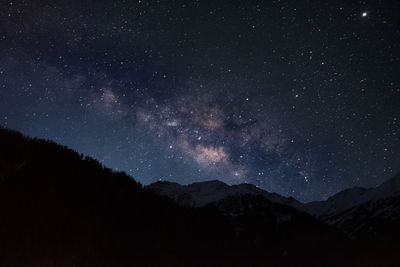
59, 208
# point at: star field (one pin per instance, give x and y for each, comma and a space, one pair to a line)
298, 98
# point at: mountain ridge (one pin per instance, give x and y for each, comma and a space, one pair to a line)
202, 193
354, 196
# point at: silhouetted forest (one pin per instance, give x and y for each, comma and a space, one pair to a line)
60, 208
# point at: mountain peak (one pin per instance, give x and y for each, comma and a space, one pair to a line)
165, 183
203, 193
212, 183
354, 196
390, 186
349, 193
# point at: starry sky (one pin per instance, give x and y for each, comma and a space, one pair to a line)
301, 98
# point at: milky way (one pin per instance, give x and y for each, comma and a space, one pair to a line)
296, 100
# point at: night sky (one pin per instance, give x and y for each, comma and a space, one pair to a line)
297, 97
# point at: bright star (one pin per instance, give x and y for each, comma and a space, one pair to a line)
364, 14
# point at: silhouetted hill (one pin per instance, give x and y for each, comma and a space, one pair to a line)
59, 208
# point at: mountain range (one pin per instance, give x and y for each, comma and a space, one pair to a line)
60, 208
342, 209
351, 197
202, 193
